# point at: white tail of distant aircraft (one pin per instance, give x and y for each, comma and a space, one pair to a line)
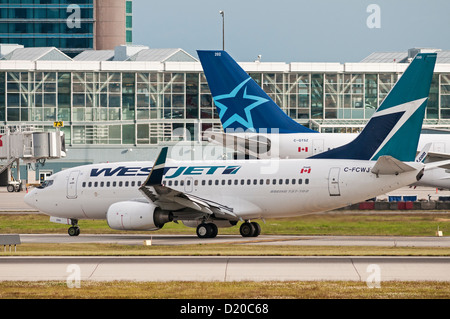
212, 194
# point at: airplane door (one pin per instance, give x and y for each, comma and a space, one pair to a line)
333, 181
188, 185
317, 146
72, 185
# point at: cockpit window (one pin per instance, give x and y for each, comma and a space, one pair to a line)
46, 183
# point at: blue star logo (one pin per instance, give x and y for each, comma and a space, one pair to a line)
242, 103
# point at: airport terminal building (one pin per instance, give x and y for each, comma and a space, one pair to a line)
122, 104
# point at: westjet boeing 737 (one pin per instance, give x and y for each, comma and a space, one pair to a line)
212, 194
259, 128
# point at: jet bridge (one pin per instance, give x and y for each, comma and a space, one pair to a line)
29, 145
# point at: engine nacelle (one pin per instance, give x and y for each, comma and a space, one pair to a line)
129, 215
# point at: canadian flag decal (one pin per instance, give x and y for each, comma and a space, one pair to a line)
305, 169
303, 149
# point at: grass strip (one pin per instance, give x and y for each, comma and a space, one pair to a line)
225, 290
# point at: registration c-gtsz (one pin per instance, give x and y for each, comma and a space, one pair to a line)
243, 308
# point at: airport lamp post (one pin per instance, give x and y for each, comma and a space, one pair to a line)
222, 13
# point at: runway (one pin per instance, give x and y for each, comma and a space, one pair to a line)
224, 269
159, 239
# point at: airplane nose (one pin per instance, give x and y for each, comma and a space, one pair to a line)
30, 198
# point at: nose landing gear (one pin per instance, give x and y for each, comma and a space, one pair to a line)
74, 230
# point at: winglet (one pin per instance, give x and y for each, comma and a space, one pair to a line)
423, 153
157, 172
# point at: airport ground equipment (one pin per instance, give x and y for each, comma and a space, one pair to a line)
29, 145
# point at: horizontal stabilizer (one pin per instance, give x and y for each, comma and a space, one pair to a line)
244, 145
387, 165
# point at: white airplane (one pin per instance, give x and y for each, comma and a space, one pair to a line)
256, 126
212, 194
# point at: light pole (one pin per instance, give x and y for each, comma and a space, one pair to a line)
223, 29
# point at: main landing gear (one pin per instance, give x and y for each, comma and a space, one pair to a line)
74, 230
207, 230
250, 229
247, 229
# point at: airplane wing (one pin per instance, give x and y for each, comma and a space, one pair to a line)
433, 157
182, 203
248, 146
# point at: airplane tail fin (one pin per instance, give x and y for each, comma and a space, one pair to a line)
395, 127
241, 103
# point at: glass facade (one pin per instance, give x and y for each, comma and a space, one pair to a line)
157, 107
64, 24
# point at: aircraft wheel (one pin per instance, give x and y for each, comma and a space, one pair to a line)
247, 229
74, 231
214, 230
209, 230
257, 229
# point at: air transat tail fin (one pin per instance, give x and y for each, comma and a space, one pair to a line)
241, 103
395, 127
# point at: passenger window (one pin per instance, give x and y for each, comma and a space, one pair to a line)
223, 182
139, 183
307, 181
249, 182
181, 183
261, 182
280, 182
170, 183
126, 184
236, 182
274, 182
108, 184
287, 181
114, 184
210, 182
96, 184
242, 182
90, 184
300, 181
267, 181
293, 181
84, 184
102, 184
203, 182
230, 182
133, 183
196, 182
120, 184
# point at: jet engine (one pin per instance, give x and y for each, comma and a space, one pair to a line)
131, 215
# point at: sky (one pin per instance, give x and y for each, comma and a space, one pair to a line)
293, 30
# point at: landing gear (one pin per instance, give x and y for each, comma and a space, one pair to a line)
207, 230
250, 229
74, 230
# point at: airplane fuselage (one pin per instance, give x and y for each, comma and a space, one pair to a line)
251, 188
